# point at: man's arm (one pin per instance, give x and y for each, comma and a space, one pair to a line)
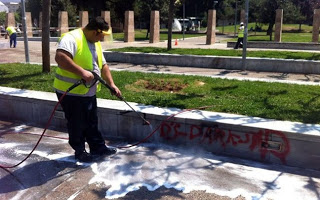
106, 75
65, 61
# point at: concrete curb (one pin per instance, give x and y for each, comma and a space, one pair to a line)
280, 45
38, 39
271, 141
217, 62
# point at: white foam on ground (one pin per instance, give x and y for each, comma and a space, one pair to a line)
19, 128
8, 145
60, 156
74, 195
194, 170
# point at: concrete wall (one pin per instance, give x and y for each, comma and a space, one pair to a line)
217, 62
271, 141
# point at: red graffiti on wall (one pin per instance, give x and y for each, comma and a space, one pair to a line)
209, 135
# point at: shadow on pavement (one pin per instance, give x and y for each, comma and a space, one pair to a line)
36, 174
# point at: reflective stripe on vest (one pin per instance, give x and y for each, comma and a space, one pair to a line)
83, 57
11, 30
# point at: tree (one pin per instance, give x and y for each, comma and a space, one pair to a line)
306, 8
170, 20
143, 8
2, 18
46, 36
292, 14
63, 5
94, 7
34, 6
267, 12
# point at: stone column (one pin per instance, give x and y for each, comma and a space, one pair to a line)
63, 25
278, 28
154, 27
129, 26
83, 18
211, 27
29, 24
106, 16
243, 16
316, 24
10, 20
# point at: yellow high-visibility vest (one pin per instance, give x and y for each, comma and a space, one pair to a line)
241, 33
83, 57
11, 30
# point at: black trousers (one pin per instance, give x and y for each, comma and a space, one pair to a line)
81, 114
240, 40
13, 40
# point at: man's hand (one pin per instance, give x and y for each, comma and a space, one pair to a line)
65, 61
87, 76
106, 75
116, 90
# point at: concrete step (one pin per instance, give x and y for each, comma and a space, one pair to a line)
217, 62
264, 140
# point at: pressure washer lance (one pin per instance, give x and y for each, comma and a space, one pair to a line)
103, 82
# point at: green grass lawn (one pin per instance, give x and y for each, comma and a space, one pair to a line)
268, 100
140, 35
221, 52
285, 28
290, 33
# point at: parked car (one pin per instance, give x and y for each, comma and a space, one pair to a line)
191, 23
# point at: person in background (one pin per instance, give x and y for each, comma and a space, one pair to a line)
11, 32
79, 52
240, 36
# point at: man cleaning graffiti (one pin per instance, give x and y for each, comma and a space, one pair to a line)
78, 53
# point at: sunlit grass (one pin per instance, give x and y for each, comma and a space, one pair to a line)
268, 100
140, 35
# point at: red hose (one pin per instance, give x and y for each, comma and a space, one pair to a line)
45, 129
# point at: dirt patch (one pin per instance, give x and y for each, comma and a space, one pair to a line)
200, 83
167, 85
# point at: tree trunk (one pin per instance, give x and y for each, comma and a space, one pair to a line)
170, 20
46, 35
269, 31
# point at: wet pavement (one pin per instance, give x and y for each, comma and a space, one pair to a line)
148, 171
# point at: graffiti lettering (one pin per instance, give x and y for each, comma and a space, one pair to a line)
209, 135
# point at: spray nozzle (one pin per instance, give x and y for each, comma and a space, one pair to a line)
103, 82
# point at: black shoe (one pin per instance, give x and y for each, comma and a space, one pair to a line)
105, 151
83, 157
